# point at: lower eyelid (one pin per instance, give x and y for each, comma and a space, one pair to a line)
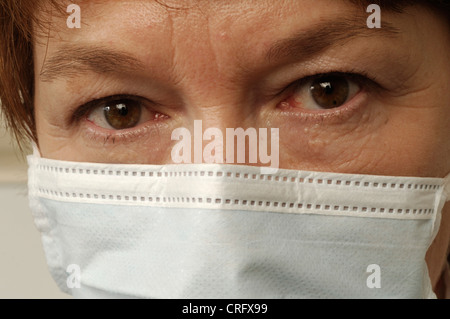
331, 116
98, 135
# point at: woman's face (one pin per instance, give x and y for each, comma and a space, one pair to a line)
345, 97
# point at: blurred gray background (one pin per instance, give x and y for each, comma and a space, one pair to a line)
23, 269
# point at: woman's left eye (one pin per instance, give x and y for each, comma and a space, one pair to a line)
120, 113
324, 92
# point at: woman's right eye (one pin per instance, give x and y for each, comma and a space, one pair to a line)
120, 113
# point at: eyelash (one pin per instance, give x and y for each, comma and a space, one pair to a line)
366, 83
82, 111
361, 78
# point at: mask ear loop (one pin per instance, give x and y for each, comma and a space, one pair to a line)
36, 152
447, 187
442, 197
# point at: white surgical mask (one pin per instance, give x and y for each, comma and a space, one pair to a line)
226, 231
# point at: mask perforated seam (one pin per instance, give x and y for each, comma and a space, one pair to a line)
234, 202
248, 176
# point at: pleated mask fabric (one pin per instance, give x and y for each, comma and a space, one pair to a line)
230, 231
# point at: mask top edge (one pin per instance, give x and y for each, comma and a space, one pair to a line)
36, 159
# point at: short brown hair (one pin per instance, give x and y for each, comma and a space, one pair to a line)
17, 20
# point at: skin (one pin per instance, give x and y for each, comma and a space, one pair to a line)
207, 62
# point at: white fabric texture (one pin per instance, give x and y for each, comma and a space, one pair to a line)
228, 231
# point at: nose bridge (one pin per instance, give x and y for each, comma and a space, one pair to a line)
220, 117
205, 143
212, 139
221, 113
222, 120
219, 97
210, 80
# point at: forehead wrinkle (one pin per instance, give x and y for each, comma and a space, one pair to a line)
72, 60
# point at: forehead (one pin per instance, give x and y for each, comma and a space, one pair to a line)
208, 41
236, 15
204, 27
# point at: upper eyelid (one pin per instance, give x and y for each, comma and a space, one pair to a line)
83, 109
359, 77
363, 79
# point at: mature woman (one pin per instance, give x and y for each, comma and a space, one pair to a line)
356, 116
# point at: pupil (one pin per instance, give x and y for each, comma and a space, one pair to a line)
123, 114
330, 92
122, 109
327, 87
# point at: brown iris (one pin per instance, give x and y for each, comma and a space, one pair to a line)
330, 91
122, 114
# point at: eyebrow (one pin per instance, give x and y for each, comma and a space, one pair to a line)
325, 35
71, 60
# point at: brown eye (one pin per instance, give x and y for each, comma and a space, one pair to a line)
122, 114
330, 91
